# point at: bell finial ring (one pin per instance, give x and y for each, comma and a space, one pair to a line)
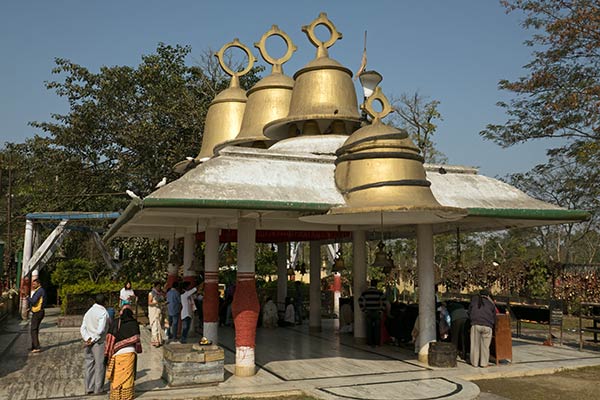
322, 46
235, 82
261, 45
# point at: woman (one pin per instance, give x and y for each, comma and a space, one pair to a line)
156, 299
126, 295
482, 312
122, 346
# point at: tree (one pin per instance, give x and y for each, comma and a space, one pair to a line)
560, 96
418, 116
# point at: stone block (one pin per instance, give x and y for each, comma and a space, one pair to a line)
188, 364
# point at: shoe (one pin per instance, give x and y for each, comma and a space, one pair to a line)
36, 350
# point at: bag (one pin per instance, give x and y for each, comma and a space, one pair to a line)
138, 347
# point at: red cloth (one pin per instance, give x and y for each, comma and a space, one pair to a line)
245, 309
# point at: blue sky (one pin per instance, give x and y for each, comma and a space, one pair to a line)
455, 52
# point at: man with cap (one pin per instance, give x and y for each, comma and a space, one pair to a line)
93, 331
37, 303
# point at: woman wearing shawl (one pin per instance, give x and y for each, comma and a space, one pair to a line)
122, 345
156, 299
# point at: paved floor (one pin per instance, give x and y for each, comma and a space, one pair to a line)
290, 360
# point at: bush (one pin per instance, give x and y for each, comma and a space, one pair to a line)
77, 298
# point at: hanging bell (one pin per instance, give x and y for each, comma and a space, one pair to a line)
302, 268
226, 111
268, 100
389, 265
380, 256
324, 263
338, 263
323, 93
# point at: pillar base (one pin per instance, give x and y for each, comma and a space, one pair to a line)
211, 331
315, 329
424, 354
245, 370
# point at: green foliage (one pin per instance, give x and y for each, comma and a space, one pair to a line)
537, 280
266, 260
88, 289
76, 271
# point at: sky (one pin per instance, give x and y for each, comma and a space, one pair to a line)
451, 51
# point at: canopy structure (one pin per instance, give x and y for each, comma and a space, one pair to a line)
285, 185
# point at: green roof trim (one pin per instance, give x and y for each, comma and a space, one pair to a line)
534, 214
130, 211
237, 204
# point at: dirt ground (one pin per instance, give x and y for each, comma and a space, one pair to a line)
580, 384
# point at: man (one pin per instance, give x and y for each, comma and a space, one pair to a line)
37, 304
93, 331
187, 310
372, 303
482, 312
173, 309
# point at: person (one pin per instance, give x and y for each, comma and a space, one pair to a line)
289, 317
37, 304
459, 318
298, 302
269, 314
482, 312
346, 317
93, 331
173, 309
126, 295
187, 310
372, 304
123, 345
155, 299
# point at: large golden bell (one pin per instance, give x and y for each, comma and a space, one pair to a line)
268, 100
324, 97
226, 111
379, 171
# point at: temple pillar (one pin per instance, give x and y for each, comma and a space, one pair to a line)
314, 318
245, 306
359, 284
189, 245
426, 279
27, 253
281, 276
337, 293
210, 303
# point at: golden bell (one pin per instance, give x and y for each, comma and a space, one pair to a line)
323, 93
338, 263
268, 100
380, 256
226, 111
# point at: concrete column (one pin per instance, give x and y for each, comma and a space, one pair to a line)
337, 293
210, 303
281, 275
245, 306
426, 279
171, 268
189, 245
359, 284
27, 253
314, 318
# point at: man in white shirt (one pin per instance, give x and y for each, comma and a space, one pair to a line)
93, 331
187, 310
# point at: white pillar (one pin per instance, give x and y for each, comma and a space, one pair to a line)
314, 319
281, 275
189, 245
245, 305
210, 303
359, 284
27, 253
426, 279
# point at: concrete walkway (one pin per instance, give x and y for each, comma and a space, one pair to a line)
290, 361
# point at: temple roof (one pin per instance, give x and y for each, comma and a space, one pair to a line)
282, 184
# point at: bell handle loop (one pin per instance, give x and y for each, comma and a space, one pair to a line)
235, 81
322, 46
261, 45
386, 107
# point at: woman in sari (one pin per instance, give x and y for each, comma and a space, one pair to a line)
123, 344
156, 298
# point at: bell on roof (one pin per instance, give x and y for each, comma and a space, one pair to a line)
226, 111
269, 99
324, 99
379, 171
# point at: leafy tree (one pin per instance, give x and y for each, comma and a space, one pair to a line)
418, 116
77, 270
560, 96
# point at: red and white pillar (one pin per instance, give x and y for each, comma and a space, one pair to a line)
245, 306
210, 303
337, 293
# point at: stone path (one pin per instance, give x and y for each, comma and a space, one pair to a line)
290, 360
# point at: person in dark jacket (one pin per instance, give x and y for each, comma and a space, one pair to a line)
372, 303
37, 303
482, 312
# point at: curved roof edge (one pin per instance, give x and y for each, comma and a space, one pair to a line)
535, 214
